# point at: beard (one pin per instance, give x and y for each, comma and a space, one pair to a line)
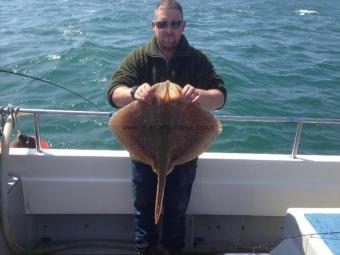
168, 42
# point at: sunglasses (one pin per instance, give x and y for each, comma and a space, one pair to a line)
164, 24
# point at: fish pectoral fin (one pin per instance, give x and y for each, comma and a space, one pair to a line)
159, 197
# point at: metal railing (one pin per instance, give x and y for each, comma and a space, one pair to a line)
10, 110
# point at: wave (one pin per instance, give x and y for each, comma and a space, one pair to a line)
306, 12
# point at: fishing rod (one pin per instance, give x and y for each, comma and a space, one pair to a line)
51, 83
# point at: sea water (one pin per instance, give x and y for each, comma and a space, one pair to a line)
277, 58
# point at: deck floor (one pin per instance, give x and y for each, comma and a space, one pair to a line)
99, 251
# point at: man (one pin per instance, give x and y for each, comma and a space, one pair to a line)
168, 56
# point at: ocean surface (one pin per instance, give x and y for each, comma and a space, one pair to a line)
278, 58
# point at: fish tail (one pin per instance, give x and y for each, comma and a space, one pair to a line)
159, 197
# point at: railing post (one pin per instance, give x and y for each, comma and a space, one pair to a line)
297, 139
37, 132
5, 228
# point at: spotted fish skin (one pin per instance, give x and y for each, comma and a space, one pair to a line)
164, 134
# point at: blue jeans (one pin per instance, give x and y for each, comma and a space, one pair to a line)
176, 199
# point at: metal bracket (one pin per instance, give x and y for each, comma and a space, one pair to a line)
3, 119
5, 112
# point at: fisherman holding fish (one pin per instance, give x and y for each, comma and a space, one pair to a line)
168, 56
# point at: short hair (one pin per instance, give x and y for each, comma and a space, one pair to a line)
171, 4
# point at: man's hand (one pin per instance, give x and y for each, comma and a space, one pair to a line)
211, 99
189, 94
144, 93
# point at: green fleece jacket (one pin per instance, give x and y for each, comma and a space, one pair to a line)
188, 66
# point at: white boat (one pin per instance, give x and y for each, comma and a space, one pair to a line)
66, 201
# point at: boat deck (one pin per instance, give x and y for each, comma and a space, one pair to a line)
311, 231
63, 198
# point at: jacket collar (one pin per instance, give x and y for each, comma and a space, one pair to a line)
183, 48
